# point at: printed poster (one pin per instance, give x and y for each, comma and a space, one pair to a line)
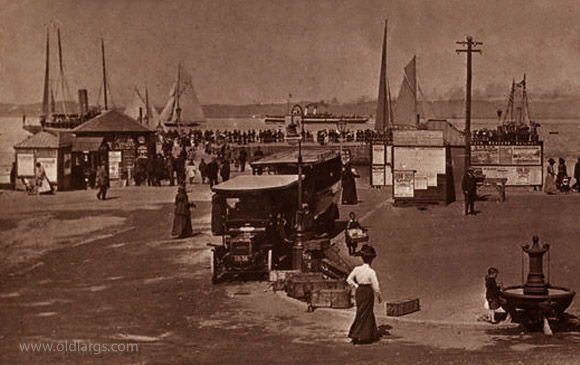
114, 164
25, 164
484, 155
527, 155
516, 175
378, 175
403, 184
388, 176
378, 154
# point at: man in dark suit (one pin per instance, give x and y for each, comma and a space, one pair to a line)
469, 187
212, 172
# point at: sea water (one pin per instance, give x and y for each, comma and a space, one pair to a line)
561, 137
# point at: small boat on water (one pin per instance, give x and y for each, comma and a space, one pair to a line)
554, 132
183, 108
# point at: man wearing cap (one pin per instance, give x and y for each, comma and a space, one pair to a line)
102, 181
469, 187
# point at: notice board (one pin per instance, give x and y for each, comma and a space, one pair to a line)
427, 162
381, 167
520, 164
516, 175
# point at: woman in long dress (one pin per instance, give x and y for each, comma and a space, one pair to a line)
182, 214
550, 184
364, 279
349, 195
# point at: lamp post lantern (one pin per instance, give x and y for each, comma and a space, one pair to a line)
293, 135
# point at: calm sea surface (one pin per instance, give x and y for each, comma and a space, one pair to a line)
564, 141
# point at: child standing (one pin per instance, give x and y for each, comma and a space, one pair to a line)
492, 291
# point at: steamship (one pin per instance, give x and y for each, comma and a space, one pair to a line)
61, 115
311, 117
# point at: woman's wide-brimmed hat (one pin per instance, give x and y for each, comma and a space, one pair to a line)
368, 251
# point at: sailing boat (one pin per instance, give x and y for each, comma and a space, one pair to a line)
140, 109
403, 114
65, 118
183, 108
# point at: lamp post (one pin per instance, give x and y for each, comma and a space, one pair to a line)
341, 126
292, 135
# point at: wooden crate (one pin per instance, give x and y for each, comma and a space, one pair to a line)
282, 275
279, 285
397, 309
301, 287
330, 298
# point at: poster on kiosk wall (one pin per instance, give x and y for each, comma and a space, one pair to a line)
404, 184
25, 164
114, 164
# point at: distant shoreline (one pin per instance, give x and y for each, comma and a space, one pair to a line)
440, 109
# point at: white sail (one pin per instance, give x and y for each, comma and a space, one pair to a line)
405, 114
138, 109
191, 110
183, 98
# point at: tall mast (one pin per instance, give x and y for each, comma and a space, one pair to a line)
415, 109
52, 102
177, 91
512, 99
383, 109
45, 93
147, 107
525, 98
62, 81
104, 74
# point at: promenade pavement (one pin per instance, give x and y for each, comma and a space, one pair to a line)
76, 268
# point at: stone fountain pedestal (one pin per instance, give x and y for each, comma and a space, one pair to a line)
537, 298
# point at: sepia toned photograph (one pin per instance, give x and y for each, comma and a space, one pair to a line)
289, 182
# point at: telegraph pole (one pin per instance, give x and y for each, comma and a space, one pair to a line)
471, 48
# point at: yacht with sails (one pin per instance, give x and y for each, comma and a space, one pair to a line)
183, 108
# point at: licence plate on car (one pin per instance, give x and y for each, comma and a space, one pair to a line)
239, 258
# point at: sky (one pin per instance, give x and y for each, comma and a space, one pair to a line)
259, 51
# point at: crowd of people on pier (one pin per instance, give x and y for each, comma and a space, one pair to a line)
508, 133
209, 137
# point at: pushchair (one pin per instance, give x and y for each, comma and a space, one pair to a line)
29, 188
565, 185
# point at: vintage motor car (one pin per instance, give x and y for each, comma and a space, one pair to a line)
252, 214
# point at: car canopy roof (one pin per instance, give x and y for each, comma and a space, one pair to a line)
255, 184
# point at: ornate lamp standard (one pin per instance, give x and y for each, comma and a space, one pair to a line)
341, 126
293, 136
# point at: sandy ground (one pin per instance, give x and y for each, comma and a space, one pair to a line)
75, 268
